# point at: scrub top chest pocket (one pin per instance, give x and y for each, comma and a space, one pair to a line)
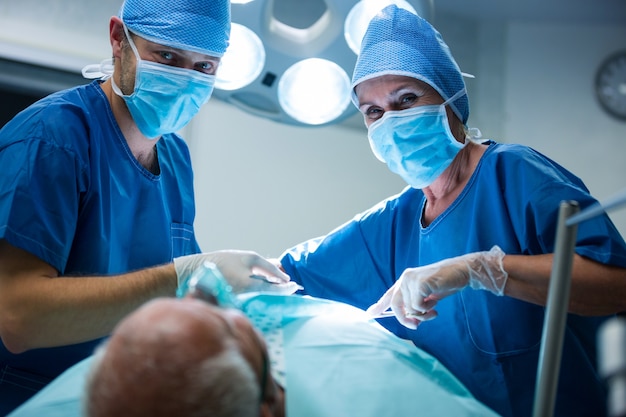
183, 241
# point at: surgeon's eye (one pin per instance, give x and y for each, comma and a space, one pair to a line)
166, 55
408, 100
208, 67
373, 113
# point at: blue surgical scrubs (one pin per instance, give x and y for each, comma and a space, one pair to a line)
72, 194
490, 343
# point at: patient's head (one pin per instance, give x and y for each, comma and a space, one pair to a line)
182, 357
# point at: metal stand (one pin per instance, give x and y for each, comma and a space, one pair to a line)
612, 336
556, 313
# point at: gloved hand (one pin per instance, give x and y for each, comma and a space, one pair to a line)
245, 271
414, 296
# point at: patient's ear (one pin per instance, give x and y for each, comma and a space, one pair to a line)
273, 405
265, 410
275, 409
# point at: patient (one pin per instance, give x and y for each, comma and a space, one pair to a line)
185, 357
189, 357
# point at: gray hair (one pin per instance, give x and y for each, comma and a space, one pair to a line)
222, 385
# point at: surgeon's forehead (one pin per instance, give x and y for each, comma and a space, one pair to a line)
388, 86
389, 81
191, 55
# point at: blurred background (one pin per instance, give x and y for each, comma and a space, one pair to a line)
265, 181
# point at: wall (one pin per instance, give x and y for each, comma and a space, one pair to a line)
550, 102
62, 34
265, 187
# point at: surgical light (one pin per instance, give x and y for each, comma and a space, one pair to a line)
291, 61
244, 61
314, 91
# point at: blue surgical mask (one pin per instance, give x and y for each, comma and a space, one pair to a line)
415, 143
165, 98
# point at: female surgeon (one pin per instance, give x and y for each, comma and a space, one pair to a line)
465, 252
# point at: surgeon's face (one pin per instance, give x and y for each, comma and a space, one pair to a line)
393, 93
151, 51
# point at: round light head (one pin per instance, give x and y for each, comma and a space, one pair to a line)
314, 91
359, 18
243, 61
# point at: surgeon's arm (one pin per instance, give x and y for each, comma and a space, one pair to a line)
596, 289
39, 308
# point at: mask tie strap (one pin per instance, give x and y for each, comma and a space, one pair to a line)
473, 134
458, 94
131, 43
103, 70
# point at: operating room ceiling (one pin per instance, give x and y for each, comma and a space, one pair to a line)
81, 17
557, 11
65, 34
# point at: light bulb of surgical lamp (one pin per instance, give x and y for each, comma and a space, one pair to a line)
243, 61
359, 18
314, 91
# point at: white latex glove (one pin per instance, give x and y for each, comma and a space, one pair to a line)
245, 271
414, 296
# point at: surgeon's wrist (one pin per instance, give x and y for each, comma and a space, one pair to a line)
487, 271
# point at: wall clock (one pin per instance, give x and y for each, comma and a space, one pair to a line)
611, 85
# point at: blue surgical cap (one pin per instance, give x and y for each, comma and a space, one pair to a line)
399, 42
201, 26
